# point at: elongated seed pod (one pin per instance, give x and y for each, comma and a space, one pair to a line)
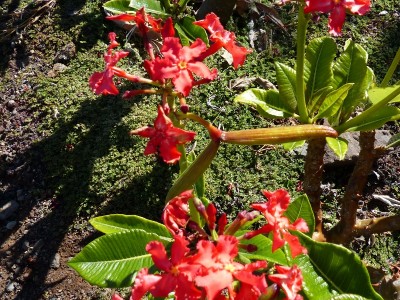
194, 171
277, 135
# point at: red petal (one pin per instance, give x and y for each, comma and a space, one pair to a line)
159, 255
214, 282
143, 283
336, 20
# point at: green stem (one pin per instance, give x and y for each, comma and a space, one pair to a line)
214, 132
365, 115
391, 69
301, 46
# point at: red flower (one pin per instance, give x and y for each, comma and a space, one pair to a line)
176, 213
164, 138
177, 273
277, 223
290, 280
179, 63
222, 38
146, 25
102, 82
220, 270
337, 10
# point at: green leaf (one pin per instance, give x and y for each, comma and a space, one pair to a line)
152, 7
320, 54
330, 269
351, 67
301, 208
376, 94
117, 223
118, 6
266, 102
338, 146
382, 116
394, 141
286, 78
112, 259
293, 145
317, 99
333, 101
348, 297
264, 249
191, 31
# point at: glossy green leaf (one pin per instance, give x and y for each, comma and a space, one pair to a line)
301, 208
382, 116
334, 101
338, 145
112, 259
264, 250
266, 102
293, 145
351, 67
286, 78
377, 94
152, 7
318, 98
118, 222
330, 269
315, 287
320, 54
191, 31
118, 6
348, 297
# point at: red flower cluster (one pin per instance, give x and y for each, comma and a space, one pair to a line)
164, 137
210, 268
278, 224
179, 63
337, 11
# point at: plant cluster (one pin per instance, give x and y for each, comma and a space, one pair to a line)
198, 255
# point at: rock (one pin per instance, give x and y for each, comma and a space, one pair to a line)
10, 225
55, 264
8, 209
25, 246
10, 287
11, 104
65, 54
383, 12
57, 69
381, 139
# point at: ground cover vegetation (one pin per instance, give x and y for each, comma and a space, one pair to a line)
92, 167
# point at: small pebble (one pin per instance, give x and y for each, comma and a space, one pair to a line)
10, 287
10, 225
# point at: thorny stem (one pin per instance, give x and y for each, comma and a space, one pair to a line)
343, 232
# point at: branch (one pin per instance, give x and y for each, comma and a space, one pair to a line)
376, 225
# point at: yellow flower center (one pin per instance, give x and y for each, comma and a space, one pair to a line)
229, 268
174, 271
182, 65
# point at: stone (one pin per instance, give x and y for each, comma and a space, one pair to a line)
11, 104
10, 287
65, 54
8, 209
10, 225
55, 263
